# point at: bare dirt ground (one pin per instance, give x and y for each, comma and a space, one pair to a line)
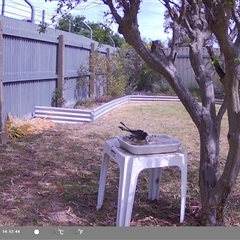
51, 178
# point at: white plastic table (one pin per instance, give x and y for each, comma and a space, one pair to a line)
130, 166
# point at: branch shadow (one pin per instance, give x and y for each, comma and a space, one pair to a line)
57, 185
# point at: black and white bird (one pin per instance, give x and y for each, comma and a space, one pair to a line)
139, 135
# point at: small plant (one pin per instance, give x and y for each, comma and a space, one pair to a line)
86, 104
15, 130
116, 77
105, 98
82, 84
107, 77
140, 76
57, 98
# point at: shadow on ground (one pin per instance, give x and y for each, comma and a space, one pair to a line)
51, 179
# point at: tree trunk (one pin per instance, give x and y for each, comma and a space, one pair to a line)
214, 190
209, 165
214, 203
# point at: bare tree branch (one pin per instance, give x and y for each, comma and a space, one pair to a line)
176, 25
175, 38
203, 76
134, 8
236, 16
233, 32
174, 57
195, 21
113, 10
125, 6
194, 6
197, 80
216, 64
182, 12
209, 3
188, 27
221, 111
236, 30
218, 16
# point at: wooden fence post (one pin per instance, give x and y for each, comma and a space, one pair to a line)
108, 56
59, 92
3, 134
92, 72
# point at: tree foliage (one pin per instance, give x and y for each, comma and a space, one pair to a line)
100, 32
140, 76
108, 71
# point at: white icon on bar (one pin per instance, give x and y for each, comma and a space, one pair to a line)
36, 231
80, 231
61, 231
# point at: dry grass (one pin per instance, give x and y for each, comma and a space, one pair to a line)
50, 178
17, 128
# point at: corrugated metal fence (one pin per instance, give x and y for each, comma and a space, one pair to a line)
34, 65
184, 67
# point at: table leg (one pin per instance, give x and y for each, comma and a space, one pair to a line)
102, 181
154, 183
130, 195
125, 184
183, 188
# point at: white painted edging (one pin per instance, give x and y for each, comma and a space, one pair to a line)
63, 115
67, 115
140, 98
99, 111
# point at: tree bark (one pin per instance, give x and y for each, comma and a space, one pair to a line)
208, 172
214, 190
213, 204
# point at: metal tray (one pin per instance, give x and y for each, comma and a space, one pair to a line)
155, 143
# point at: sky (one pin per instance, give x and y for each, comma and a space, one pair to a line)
151, 15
